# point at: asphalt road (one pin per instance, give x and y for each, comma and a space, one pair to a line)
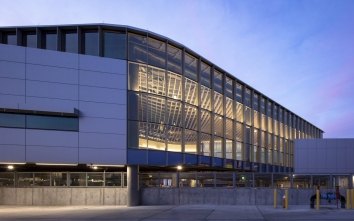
172, 213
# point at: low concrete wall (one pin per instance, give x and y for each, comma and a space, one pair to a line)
63, 196
225, 196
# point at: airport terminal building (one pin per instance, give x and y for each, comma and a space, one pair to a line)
118, 98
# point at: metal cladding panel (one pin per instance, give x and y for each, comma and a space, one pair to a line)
12, 86
51, 58
48, 138
101, 79
12, 136
324, 156
52, 74
51, 90
12, 53
10, 69
44, 80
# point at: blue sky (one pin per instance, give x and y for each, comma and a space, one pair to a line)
299, 53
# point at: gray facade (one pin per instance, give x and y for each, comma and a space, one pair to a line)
328, 156
53, 81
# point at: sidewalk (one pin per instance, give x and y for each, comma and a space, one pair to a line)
172, 213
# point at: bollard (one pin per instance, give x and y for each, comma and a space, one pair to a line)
286, 199
275, 198
348, 206
352, 198
317, 199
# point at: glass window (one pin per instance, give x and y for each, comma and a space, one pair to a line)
10, 38
77, 179
239, 151
113, 179
228, 149
239, 112
190, 141
137, 48
255, 101
7, 179
59, 179
95, 179
174, 59
248, 119
174, 112
262, 105
143, 107
255, 137
49, 40
191, 92
157, 137
156, 109
247, 97
133, 135
24, 179
205, 74
174, 86
205, 97
264, 122
228, 87
114, 45
29, 39
41, 179
191, 117
255, 119
70, 41
239, 131
218, 103
218, 81
238, 92
205, 121
229, 108
190, 66
156, 81
157, 53
205, 140
229, 133
143, 129
174, 139
218, 143
137, 77
90, 42
218, 125
12, 120
52, 123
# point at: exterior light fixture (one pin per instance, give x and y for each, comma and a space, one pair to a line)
95, 167
10, 167
179, 167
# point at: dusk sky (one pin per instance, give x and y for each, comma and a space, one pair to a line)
299, 53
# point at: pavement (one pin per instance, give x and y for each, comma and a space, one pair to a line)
172, 213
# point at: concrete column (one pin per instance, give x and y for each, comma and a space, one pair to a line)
133, 196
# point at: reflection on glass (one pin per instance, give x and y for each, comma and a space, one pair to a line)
10, 38
255, 101
247, 97
114, 44
218, 103
174, 139
95, 179
205, 74
262, 155
228, 87
90, 42
49, 40
59, 179
52, 123
157, 53
41, 179
12, 120
205, 121
174, 59
174, 112
239, 131
218, 86
156, 81
191, 117
205, 97
218, 143
238, 92
191, 92
30, 39
143, 129
77, 179
248, 120
174, 86
70, 41
205, 140
190, 141
218, 125
255, 119
137, 48
255, 137
190, 66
